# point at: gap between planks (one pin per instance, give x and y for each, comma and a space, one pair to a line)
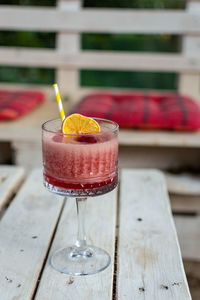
47, 254
114, 289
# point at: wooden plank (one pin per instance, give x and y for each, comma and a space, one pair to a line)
100, 226
149, 258
189, 84
25, 234
185, 204
105, 60
16, 56
68, 43
71, 5
159, 138
183, 184
188, 229
10, 179
191, 45
194, 5
99, 20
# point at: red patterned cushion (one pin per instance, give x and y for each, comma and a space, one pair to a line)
143, 110
14, 104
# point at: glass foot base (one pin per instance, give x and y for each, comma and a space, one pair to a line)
80, 261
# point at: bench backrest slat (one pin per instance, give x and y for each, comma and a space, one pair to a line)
99, 60
99, 20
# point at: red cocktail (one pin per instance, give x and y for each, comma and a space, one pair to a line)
80, 165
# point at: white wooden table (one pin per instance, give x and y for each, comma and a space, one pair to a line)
146, 260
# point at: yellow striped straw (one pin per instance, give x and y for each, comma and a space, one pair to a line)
59, 102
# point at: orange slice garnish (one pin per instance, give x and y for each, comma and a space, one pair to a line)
76, 124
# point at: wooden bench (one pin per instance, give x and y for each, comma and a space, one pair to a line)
136, 228
69, 20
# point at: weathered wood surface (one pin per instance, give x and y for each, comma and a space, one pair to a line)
10, 179
88, 20
100, 227
26, 231
148, 252
149, 258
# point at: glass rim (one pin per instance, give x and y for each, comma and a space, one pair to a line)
115, 129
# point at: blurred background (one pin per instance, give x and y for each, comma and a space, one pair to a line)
176, 155
122, 42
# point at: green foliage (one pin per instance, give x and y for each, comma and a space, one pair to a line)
131, 42
29, 2
26, 75
128, 79
158, 4
27, 39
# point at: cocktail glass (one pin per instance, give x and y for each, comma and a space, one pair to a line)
80, 166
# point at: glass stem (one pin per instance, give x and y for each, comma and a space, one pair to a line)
81, 236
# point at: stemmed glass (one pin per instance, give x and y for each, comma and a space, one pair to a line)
80, 166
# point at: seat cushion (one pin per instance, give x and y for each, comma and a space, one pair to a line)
143, 110
14, 104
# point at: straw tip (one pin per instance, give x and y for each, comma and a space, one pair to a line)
54, 85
